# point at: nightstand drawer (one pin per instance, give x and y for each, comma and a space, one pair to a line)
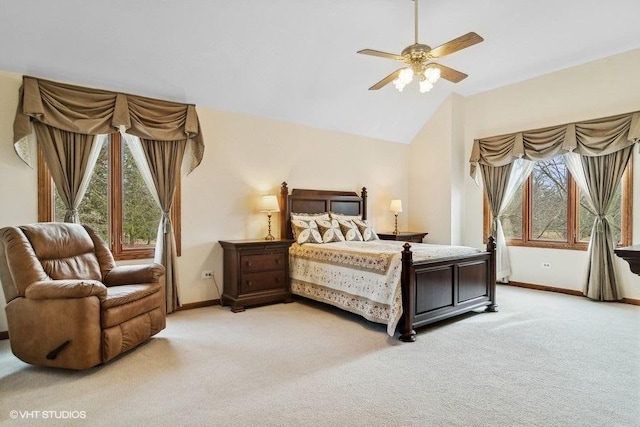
262, 262
266, 280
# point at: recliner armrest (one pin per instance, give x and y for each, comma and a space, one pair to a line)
63, 289
133, 274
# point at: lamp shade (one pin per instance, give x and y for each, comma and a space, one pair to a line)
396, 206
269, 203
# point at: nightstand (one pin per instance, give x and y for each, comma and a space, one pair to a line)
255, 272
405, 236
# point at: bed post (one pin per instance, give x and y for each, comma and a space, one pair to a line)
407, 333
284, 209
491, 248
363, 195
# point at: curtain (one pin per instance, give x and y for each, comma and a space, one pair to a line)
501, 184
94, 111
598, 178
167, 131
165, 159
500, 195
604, 146
590, 138
71, 158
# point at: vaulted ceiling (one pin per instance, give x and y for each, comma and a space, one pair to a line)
295, 60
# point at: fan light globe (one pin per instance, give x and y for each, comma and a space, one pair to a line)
432, 74
425, 86
406, 75
399, 84
404, 78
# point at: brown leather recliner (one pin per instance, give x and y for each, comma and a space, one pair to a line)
68, 304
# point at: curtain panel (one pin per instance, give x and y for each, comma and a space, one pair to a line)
590, 138
95, 111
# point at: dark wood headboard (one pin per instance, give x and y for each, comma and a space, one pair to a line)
316, 201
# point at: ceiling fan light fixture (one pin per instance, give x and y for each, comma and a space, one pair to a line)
425, 86
418, 57
432, 74
405, 76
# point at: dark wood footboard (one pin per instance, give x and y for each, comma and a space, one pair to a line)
437, 290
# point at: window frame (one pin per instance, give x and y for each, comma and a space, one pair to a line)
626, 220
46, 205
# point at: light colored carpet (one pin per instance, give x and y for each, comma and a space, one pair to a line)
544, 359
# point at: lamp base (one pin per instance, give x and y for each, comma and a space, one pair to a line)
269, 235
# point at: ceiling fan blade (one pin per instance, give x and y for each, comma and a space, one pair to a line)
449, 73
382, 83
455, 45
380, 54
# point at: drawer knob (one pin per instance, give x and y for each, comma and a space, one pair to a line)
249, 283
248, 263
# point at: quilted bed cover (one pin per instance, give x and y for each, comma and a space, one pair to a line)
360, 277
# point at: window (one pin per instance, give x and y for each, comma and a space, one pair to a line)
117, 203
549, 210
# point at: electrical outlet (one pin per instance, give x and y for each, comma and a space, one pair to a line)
546, 265
207, 274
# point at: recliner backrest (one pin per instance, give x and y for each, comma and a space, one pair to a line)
65, 250
45, 251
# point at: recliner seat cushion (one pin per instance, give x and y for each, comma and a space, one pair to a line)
128, 301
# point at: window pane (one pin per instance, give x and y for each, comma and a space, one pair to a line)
140, 212
512, 217
549, 195
586, 216
94, 207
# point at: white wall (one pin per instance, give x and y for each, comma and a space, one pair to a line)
436, 175
244, 158
602, 88
18, 183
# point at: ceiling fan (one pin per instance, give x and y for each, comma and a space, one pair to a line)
419, 59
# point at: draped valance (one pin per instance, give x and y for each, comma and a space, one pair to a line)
590, 138
94, 111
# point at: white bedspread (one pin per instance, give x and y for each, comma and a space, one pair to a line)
360, 277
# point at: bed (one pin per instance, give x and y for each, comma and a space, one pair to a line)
402, 285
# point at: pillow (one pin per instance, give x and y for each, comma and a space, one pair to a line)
339, 216
310, 216
330, 231
349, 230
366, 230
305, 231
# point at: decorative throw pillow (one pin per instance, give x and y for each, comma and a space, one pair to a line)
305, 231
330, 231
339, 216
366, 230
310, 216
349, 230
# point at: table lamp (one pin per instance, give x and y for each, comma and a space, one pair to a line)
396, 208
269, 204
